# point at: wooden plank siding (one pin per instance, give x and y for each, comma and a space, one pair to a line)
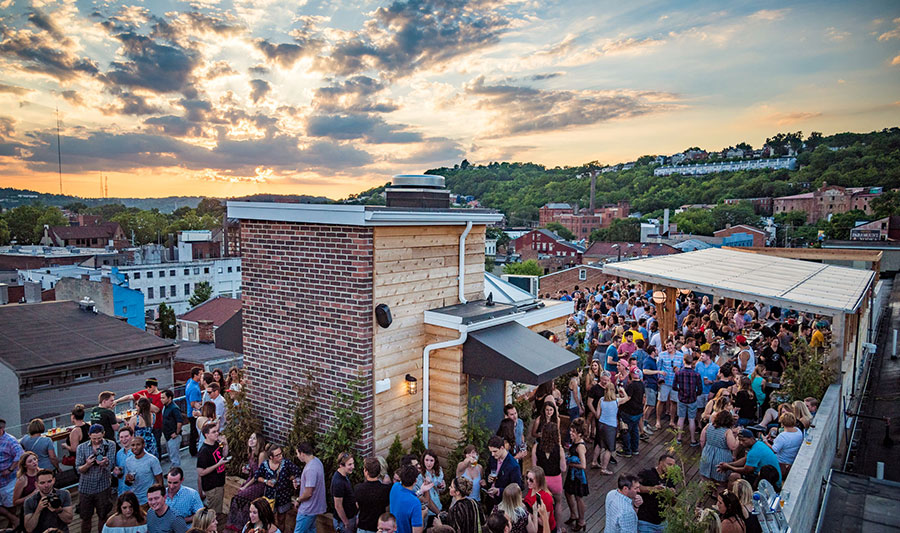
416, 270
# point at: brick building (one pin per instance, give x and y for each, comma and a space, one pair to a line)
827, 200
759, 236
313, 278
96, 235
762, 205
581, 276
883, 229
550, 250
581, 222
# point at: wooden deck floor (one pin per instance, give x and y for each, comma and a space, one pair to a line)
595, 507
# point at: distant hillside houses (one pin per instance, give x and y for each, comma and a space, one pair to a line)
787, 163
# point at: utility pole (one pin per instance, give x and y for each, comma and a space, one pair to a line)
58, 152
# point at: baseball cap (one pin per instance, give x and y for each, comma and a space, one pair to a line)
636, 372
746, 433
741, 339
151, 382
96, 428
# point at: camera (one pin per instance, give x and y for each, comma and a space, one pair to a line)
54, 501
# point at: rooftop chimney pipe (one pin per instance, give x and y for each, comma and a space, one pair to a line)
424, 191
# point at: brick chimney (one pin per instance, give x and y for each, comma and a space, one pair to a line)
205, 332
154, 328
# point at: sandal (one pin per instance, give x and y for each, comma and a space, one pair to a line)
571, 522
606, 472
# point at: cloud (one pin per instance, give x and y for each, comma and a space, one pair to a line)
436, 150
523, 110
73, 97
836, 35
769, 15
42, 21
629, 44
354, 94
38, 54
284, 54
258, 70
406, 36
260, 88
896, 60
102, 150
359, 126
891, 34
784, 119
12, 89
7, 126
129, 103
159, 68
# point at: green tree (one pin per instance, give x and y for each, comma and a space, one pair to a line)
146, 226
202, 292
695, 221
395, 454
4, 232
107, 211
21, 222
211, 206
166, 321
886, 204
75, 207
740, 213
808, 373
51, 216
841, 223
560, 230
528, 268
304, 419
624, 229
499, 234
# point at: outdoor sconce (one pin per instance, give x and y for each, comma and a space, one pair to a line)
659, 298
685, 292
412, 384
383, 315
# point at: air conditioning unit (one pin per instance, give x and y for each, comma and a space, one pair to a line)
526, 283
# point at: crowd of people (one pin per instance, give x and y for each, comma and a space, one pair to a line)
713, 381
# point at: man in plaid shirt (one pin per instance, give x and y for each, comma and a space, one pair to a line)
689, 386
10, 453
95, 460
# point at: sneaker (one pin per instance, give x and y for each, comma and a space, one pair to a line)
612, 460
634, 454
645, 437
695, 444
623, 453
649, 429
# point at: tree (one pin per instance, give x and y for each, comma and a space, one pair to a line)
886, 204
202, 292
166, 321
695, 221
51, 216
528, 268
75, 207
21, 222
4, 232
624, 229
841, 223
740, 213
499, 234
808, 373
560, 230
210, 206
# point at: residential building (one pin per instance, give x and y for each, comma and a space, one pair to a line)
581, 222
601, 252
827, 200
742, 235
545, 244
19, 257
91, 235
110, 295
174, 283
309, 310
49, 277
883, 229
567, 279
490, 247
762, 205
199, 244
211, 313
788, 163
552, 211
57, 354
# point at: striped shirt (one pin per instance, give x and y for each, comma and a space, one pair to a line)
620, 514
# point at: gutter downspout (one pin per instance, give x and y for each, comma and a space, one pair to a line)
463, 334
426, 356
462, 264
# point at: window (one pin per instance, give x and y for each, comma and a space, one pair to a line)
196, 270
137, 275
172, 291
162, 273
187, 271
229, 270
238, 268
82, 376
120, 369
149, 293
187, 289
124, 309
206, 270
172, 272
162, 292
149, 275
221, 270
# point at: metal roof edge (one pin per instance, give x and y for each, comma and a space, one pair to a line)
356, 215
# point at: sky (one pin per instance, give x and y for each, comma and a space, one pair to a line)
163, 97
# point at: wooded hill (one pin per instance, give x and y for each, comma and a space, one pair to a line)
520, 189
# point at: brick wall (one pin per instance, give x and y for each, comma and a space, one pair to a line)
568, 279
307, 306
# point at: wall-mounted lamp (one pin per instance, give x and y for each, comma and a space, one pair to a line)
684, 291
412, 384
383, 315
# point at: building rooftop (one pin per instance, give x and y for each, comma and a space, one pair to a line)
558, 206
788, 283
359, 215
629, 248
218, 309
103, 230
36, 337
53, 251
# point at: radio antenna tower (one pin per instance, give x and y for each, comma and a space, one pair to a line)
58, 152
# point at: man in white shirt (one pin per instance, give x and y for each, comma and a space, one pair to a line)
622, 504
215, 396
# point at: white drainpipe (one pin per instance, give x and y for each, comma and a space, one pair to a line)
463, 334
462, 262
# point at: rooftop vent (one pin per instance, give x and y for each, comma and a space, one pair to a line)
424, 191
86, 304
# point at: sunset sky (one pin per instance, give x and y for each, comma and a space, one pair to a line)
330, 98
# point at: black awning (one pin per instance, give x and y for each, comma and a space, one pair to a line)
515, 353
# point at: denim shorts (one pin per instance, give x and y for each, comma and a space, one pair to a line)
650, 396
688, 410
666, 393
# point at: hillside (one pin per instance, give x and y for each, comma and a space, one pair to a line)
519, 189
